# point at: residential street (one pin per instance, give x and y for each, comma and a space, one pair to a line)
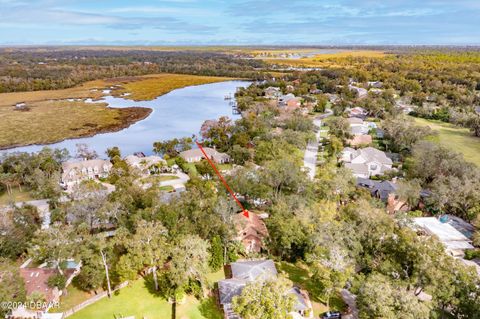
310, 157
349, 299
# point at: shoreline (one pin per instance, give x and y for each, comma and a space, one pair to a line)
128, 117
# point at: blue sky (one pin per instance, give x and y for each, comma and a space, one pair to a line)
240, 22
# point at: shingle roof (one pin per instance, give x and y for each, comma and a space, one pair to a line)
357, 168
373, 155
196, 152
253, 269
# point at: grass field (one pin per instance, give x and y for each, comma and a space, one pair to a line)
151, 86
137, 300
17, 196
455, 138
51, 121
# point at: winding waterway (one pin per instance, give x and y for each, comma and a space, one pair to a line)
179, 113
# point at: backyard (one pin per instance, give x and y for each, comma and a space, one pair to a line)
298, 273
139, 301
455, 138
15, 196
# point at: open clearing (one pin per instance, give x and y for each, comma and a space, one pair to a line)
52, 121
455, 138
49, 117
138, 300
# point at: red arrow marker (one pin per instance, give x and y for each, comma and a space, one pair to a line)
245, 212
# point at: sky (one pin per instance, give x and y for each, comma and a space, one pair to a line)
239, 22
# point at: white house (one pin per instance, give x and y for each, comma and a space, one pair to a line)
366, 162
144, 163
196, 155
77, 171
272, 92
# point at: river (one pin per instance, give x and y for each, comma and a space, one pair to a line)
179, 113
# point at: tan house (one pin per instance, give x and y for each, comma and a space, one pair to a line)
143, 163
75, 172
196, 155
358, 140
251, 231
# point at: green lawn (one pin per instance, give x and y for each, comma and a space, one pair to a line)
454, 138
73, 297
137, 300
17, 196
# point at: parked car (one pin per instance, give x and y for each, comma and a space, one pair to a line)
331, 315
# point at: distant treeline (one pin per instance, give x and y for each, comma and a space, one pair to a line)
32, 70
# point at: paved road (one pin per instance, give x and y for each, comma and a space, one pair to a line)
310, 157
311, 153
350, 300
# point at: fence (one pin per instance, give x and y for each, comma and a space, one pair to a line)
92, 300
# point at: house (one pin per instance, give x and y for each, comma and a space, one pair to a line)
366, 162
375, 84
357, 111
385, 191
477, 109
36, 281
359, 140
239, 274
359, 127
454, 241
361, 92
332, 98
272, 92
77, 171
251, 231
289, 100
196, 155
143, 163
376, 91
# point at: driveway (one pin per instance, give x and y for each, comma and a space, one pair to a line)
350, 300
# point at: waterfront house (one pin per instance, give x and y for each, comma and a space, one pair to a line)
144, 163
272, 92
196, 155
77, 171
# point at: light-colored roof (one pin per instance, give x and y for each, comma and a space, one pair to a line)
77, 166
196, 152
86, 164
361, 139
371, 154
134, 160
446, 233
355, 120
357, 169
253, 269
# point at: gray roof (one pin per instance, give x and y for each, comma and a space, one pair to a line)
357, 168
366, 182
230, 288
251, 270
244, 272
373, 155
384, 188
196, 152
301, 302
